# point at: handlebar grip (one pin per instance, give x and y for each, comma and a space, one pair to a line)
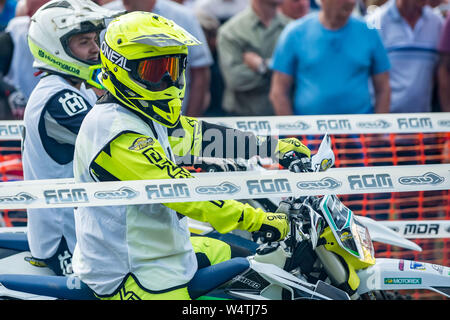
296, 162
265, 236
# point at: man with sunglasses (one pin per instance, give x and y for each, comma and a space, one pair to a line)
134, 132
63, 38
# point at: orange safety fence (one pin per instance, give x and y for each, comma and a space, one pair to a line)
353, 150
11, 170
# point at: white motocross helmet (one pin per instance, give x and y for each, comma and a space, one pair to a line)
50, 30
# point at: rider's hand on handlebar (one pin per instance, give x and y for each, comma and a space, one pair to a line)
274, 227
291, 149
300, 165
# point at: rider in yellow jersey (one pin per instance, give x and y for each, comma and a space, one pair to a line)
134, 132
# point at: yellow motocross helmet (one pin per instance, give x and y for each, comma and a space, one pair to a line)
143, 60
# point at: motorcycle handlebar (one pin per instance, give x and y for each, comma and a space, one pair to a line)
296, 162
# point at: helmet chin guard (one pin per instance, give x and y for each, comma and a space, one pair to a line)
143, 60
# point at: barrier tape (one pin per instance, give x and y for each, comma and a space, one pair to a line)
11, 130
313, 125
340, 124
422, 229
222, 186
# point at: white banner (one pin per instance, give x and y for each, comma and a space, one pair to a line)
222, 186
340, 124
11, 130
410, 229
311, 125
420, 229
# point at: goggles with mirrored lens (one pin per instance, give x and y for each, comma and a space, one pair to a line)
154, 70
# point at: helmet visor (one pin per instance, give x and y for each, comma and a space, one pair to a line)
160, 72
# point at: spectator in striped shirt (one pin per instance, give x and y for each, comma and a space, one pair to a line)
410, 31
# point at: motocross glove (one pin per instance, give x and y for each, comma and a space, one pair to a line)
291, 149
298, 164
274, 227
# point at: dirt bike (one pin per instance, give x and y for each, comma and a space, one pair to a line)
230, 279
328, 254
321, 161
241, 278
329, 242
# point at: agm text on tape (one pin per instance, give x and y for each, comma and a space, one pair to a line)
230, 185
310, 125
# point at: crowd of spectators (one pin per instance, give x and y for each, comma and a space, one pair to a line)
280, 57
323, 62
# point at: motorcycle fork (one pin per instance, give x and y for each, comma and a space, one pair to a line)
336, 270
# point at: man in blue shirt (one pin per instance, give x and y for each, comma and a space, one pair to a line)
7, 12
329, 58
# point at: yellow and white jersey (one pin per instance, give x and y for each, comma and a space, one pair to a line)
149, 241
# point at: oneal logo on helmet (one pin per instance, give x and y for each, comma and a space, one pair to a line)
114, 57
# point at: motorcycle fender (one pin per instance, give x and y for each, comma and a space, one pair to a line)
399, 274
380, 233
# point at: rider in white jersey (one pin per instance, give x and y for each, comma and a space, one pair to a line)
63, 38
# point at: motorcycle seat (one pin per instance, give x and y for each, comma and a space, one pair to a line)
209, 278
15, 241
70, 288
